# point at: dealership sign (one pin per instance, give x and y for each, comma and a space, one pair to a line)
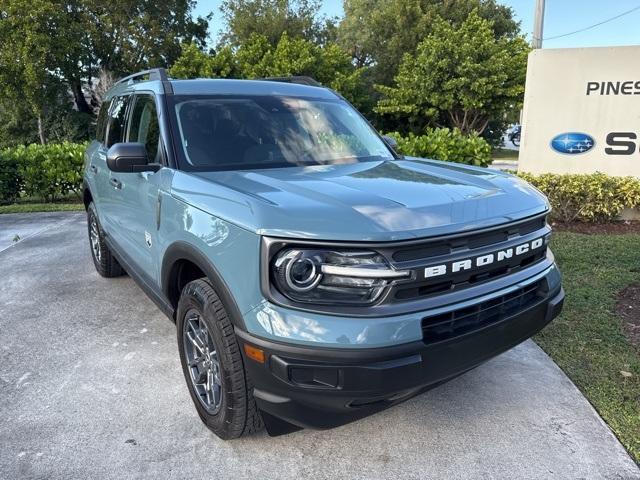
582, 111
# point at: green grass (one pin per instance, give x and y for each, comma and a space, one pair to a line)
587, 341
41, 207
504, 154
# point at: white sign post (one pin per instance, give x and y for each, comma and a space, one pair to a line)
582, 111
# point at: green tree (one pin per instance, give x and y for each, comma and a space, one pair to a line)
257, 58
18, 126
195, 63
29, 55
54, 50
130, 35
126, 36
380, 32
461, 76
272, 18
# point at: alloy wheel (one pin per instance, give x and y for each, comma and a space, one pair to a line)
202, 362
94, 238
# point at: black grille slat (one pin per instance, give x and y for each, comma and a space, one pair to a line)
422, 251
458, 322
471, 241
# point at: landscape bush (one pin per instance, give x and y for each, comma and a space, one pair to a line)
10, 180
595, 197
48, 172
445, 144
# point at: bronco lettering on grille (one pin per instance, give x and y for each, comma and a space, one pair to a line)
483, 260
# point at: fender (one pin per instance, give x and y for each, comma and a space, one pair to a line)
184, 251
86, 189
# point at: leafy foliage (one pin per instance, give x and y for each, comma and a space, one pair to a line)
462, 73
378, 33
56, 54
194, 63
10, 180
445, 144
129, 35
46, 171
30, 53
273, 18
593, 197
52, 50
257, 58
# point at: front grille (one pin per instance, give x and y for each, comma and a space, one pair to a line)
471, 241
466, 278
461, 246
458, 322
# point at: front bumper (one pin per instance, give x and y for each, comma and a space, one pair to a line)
317, 387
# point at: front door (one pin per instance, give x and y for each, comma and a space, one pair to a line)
137, 206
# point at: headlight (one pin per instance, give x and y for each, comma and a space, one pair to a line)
352, 277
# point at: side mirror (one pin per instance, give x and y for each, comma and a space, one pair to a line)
389, 140
130, 158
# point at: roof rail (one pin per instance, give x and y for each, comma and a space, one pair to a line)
300, 79
153, 74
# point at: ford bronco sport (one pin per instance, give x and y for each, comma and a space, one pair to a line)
315, 275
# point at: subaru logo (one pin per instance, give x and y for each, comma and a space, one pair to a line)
572, 143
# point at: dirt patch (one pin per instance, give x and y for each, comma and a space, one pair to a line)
628, 308
612, 228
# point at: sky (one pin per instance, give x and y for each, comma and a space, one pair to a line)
561, 16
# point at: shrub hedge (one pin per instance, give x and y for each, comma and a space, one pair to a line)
10, 180
446, 144
54, 171
595, 197
48, 171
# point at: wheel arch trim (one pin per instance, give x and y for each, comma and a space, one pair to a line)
181, 250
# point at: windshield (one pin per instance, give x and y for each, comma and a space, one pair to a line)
224, 132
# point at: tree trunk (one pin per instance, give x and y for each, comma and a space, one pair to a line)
43, 140
78, 96
468, 121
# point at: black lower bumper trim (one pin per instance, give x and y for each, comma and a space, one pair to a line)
324, 388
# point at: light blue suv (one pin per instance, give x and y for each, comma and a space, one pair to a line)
315, 275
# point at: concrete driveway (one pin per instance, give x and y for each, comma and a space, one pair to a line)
91, 387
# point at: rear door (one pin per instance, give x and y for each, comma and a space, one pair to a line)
109, 188
96, 174
138, 193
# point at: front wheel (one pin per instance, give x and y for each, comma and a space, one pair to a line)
212, 363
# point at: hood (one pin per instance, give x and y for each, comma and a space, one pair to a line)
367, 201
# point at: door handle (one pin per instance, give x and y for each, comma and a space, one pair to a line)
116, 183
93, 168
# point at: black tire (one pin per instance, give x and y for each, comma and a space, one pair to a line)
236, 413
104, 261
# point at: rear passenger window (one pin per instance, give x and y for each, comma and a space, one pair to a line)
101, 124
117, 120
144, 127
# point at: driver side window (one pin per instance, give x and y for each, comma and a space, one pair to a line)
144, 127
